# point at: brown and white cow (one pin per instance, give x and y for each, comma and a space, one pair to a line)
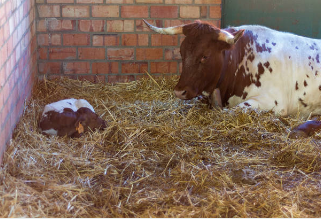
69, 117
250, 66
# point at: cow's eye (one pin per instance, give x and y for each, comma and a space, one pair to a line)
203, 59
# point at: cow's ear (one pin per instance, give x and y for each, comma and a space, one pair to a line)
237, 35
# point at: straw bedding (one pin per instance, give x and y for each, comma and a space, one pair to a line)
159, 157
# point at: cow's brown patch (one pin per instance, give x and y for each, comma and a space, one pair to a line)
251, 57
296, 86
244, 95
263, 48
312, 47
267, 65
305, 83
247, 104
303, 103
276, 103
258, 75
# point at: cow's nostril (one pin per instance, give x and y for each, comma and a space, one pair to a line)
181, 94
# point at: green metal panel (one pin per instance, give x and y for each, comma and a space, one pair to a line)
302, 17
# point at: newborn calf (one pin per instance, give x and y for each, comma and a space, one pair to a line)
69, 117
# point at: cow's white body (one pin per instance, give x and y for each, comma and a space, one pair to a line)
294, 83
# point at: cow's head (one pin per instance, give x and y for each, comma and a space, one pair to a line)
202, 56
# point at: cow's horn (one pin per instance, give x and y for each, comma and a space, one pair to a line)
226, 37
230, 38
167, 30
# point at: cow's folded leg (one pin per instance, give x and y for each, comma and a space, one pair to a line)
215, 100
306, 129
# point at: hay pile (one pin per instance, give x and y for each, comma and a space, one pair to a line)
159, 157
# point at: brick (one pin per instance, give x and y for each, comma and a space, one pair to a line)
91, 25
178, 2
106, 40
150, 1
76, 39
172, 23
68, 25
61, 25
172, 54
129, 40
164, 11
48, 10
120, 54
215, 12
105, 67
49, 67
142, 40
134, 67
43, 39
164, 40
120, 78
111, 40
190, 12
120, 1
75, 11
41, 27
2, 77
163, 67
204, 11
76, 67
60, 1
62, 53
135, 40
49, 39
149, 53
55, 39
98, 40
135, 11
105, 11
91, 53
42, 53
141, 26
92, 78
120, 26
203, 2
90, 1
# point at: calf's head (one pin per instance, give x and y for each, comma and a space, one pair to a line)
202, 56
89, 120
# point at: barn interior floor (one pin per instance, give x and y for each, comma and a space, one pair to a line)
159, 157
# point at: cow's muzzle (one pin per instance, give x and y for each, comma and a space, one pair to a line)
184, 94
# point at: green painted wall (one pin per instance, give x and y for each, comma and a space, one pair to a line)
302, 17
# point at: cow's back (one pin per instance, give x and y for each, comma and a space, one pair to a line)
283, 71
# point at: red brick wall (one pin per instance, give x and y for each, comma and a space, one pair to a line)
106, 40
18, 62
